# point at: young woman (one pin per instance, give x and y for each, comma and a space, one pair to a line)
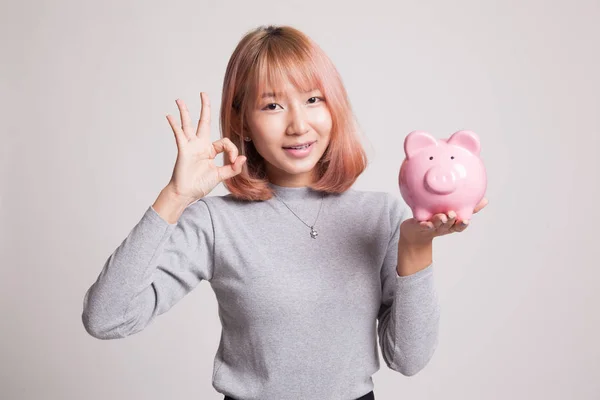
309, 273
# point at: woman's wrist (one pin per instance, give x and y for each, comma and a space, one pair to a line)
169, 205
413, 257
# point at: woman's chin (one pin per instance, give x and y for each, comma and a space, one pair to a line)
296, 168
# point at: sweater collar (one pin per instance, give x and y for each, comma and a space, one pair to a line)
295, 193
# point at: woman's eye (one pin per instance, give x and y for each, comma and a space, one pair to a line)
268, 106
273, 106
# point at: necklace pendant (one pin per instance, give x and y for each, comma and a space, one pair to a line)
313, 233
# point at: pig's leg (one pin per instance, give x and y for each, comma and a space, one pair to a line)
421, 214
464, 213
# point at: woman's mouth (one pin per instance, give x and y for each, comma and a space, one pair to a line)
301, 151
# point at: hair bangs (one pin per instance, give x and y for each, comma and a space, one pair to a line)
279, 64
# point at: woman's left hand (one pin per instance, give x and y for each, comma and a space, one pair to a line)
415, 232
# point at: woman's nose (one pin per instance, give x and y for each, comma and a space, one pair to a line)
298, 123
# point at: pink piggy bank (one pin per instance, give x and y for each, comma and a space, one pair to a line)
442, 175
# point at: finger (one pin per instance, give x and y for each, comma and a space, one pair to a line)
426, 225
186, 121
204, 122
231, 170
481, 204
451, 217
180, 137
460, 226
439, 220
226, 145
450, 222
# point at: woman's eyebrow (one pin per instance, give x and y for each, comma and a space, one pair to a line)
270, 94
278, 94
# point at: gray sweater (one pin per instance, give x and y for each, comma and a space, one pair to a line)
301, 317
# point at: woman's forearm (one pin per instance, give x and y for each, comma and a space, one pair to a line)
413, 257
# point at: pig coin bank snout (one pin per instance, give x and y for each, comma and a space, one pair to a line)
440, 175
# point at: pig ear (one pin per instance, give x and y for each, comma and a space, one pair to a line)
467, 140
416, 141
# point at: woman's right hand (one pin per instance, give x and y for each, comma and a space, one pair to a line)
195, 173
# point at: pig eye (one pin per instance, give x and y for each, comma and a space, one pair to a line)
431, 158
452, 158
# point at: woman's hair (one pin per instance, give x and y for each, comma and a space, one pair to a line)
265, 58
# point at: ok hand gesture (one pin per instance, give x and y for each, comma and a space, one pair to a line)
195, 173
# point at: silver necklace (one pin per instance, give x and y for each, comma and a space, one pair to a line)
313, 232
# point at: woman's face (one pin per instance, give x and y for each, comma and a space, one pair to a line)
290, 118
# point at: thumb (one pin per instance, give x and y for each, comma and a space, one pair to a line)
231, 170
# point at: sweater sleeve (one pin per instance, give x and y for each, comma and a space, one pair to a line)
154, 267
408, 319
